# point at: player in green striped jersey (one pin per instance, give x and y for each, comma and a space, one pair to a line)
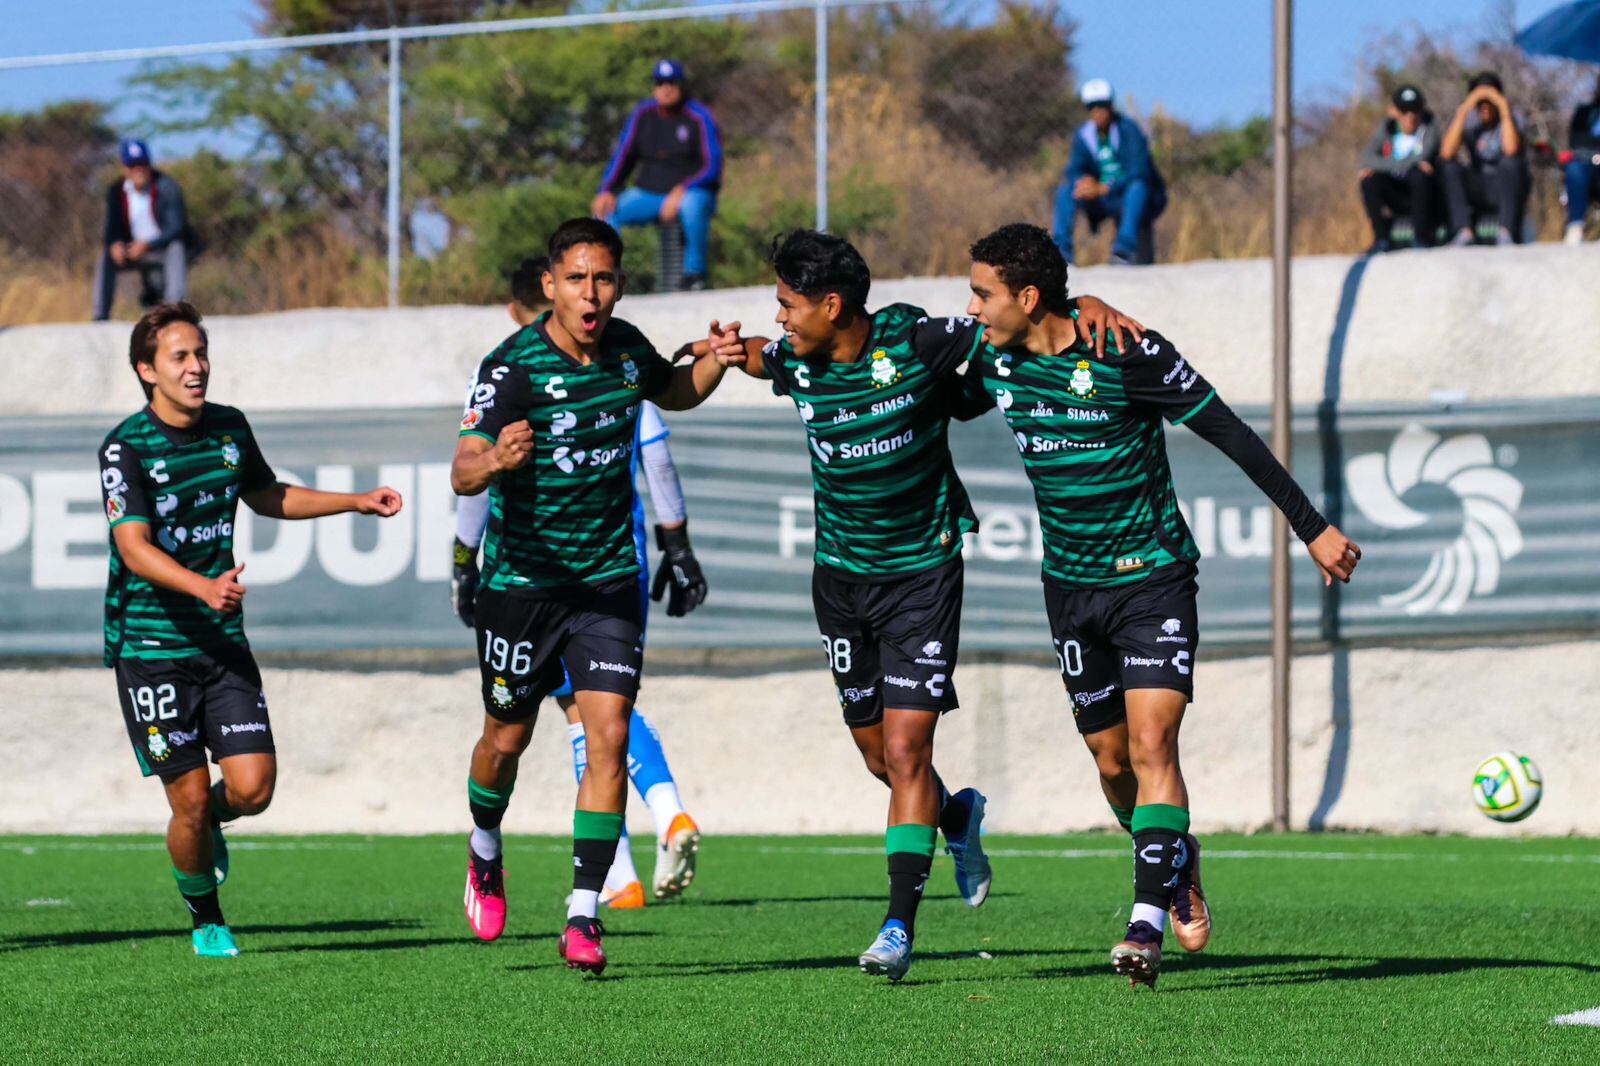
550, 432
172, 477
871, 390
1119, 561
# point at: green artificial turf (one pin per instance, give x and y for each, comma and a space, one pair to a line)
1328, 948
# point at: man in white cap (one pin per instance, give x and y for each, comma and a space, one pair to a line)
1111, 175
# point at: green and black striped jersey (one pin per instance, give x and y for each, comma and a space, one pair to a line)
888, 502
566, 517
1092, 442
186, 484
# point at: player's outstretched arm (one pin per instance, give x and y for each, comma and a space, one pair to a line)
690, 385
1334, 553
294, 502
1162, 379
144, 557
479, 461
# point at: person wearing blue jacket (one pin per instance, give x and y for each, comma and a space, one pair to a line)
673, 142
146, 229
1111, 175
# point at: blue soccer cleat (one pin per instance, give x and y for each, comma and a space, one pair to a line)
219, 851
973, 875
215, 942
890, 954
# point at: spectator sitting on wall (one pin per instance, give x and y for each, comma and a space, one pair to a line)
147, 229
1111, 175
1495, 175
1398, 170
1583, 166
675, 143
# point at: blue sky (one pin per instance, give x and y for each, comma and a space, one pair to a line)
1205, 62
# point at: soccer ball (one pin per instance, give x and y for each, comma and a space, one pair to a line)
1507, 786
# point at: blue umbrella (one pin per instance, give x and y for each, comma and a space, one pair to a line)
1571, 31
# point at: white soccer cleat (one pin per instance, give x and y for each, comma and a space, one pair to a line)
675, 857
890, 954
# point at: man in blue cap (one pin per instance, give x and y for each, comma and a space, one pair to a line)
147, 229
674, 143
1111, 175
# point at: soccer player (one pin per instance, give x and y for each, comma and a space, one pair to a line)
1119, 561
550, 432
173, 475
677, 835
870, 387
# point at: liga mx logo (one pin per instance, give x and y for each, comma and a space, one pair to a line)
1469, 565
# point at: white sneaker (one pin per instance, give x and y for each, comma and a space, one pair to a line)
675, 857
1504, 237
1573, 234
890, 954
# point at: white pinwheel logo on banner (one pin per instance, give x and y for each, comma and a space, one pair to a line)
1470, 565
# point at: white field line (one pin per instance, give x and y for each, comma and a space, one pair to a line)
1216, 853
800, 849
1590, 1017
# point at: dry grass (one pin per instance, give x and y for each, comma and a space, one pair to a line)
908, 197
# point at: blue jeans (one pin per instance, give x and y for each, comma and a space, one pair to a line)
1135, 205
636, 207
1583, 188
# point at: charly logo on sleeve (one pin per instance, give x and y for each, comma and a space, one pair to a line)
1470, 565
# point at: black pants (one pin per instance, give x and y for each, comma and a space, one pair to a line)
1502, 188
1414, 193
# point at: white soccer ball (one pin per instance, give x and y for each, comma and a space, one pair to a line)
1507, 786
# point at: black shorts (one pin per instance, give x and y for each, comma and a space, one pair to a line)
175, 709
892, 644
1133, 636
524, 637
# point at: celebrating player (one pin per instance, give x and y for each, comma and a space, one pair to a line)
677, 835
173, 475
550, 432
890, 516
1119, 561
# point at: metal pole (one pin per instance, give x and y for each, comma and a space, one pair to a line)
1282, 232
394, 172
822, 115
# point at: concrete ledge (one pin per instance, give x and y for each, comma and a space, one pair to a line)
1465, 321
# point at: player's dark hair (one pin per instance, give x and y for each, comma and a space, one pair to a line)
814, 264
147, 335
527, 282
576, 231
1026, 255
1486, 77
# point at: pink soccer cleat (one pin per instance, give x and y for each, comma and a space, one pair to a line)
486, 896
580, 945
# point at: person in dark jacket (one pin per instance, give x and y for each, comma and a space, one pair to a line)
1495, 175
1399, 170
1583, 166
1111, 175
673, 142
147, 229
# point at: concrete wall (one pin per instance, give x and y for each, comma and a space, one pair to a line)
758, 746
1466, 321
1384, 738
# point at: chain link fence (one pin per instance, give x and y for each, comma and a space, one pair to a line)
943, 119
